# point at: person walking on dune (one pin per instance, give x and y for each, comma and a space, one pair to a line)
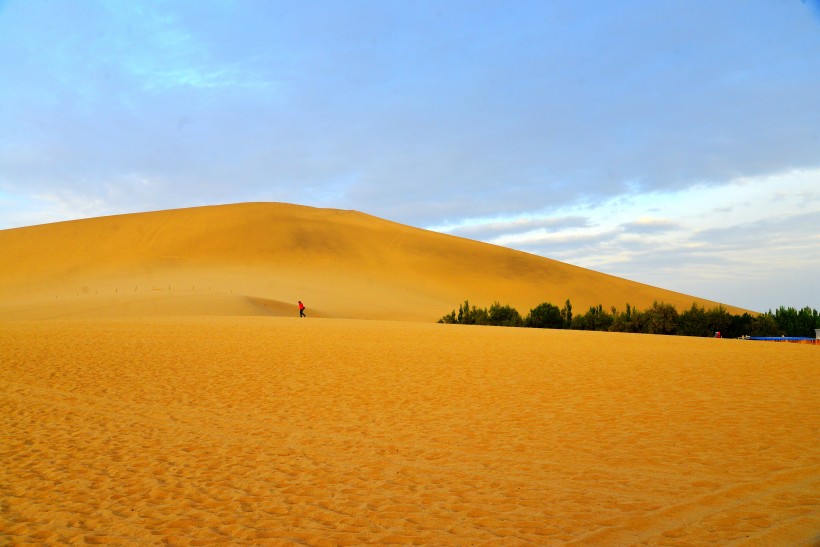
301, 309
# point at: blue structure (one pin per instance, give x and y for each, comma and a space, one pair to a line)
781, 338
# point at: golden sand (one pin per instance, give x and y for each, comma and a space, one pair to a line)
271, 431
167, 393
226, 260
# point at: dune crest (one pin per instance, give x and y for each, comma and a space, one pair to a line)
225, 260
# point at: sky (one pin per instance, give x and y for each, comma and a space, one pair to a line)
675, 143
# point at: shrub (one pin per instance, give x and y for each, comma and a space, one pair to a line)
797, 323
693, 322
740, 325
627, 321
545, 316
467, 315
566, 314
472, 315
595, 319
719, 320
450, 318
764, 325
504, 316
660, 319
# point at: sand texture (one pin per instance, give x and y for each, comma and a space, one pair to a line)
261, 258
274, 431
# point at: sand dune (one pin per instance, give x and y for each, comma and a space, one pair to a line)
168, 400
277, 431
223, 260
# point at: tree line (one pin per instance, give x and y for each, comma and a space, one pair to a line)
660, 318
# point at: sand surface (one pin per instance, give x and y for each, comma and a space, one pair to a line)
224, 260
264, 430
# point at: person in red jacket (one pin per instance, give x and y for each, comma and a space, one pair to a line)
301, 309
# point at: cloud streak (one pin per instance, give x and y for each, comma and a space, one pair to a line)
721, 242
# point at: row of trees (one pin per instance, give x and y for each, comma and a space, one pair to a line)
660, 318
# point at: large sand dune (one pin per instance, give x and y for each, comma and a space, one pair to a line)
162, 402
260, 258
279, 431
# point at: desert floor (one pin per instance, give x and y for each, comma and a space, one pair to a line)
321, 431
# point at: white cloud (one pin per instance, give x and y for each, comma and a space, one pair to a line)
41, 207
648, 225
160, 78
717, 236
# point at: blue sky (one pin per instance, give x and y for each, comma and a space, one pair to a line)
675, 143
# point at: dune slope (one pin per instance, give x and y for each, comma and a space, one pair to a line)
260, 258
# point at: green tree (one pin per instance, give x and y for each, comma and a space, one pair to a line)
806, 322
504, 316
786, 319
693, 322
450, 318
797, 323
544, 316
740, 325
629, 320
472, 315
638, 321
566, 314
476, 316
718, 320
595, 319
764, 325
660, 319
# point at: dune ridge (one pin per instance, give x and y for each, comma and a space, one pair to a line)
223, 260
